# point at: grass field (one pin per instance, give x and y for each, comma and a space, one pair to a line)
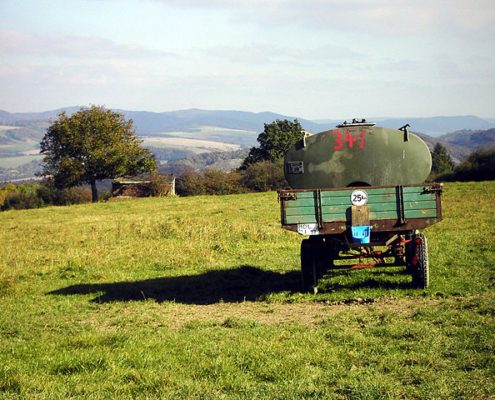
198, 298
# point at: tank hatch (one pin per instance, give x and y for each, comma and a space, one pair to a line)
355, 122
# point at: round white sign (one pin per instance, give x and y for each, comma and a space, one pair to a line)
359, 197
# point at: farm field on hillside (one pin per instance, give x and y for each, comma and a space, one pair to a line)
198, 298
214, 133
195, 145
13, 162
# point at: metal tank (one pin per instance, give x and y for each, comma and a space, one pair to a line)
358, 154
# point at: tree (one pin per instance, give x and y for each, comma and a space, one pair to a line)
275, 140
92, 144
479, 166
264, 176
441, 161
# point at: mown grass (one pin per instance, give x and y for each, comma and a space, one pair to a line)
198, 298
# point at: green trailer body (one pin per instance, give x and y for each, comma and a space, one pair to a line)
362, 223
390, 209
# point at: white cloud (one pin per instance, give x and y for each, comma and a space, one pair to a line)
388, 17
69, 46
291, 56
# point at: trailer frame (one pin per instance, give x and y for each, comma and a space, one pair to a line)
395, 215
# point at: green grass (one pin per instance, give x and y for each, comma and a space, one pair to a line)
198, 298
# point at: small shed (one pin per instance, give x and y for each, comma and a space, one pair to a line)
151, 186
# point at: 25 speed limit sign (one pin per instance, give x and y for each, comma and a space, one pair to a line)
359, 197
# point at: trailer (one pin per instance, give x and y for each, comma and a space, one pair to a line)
368, 225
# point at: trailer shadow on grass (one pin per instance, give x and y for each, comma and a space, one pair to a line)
379, 278
244, 283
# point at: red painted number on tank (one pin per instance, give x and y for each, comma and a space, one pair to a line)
349, 139
361, 143
338, 140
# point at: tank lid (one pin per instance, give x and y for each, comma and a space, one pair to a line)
355, 122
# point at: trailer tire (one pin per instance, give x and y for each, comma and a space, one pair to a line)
312, 265
419, 262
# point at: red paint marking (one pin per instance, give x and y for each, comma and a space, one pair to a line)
361, 143
350, 139
338, 140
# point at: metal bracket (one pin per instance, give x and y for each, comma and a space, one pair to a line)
406, 132
400, 205
286, 196
319, 213
433, 188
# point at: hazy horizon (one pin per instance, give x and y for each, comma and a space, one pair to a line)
314, 59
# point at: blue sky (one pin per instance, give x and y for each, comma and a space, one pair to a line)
309, 58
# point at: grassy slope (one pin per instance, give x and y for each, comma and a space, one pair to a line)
197, 298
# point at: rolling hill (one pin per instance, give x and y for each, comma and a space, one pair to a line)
472, 139
147, 122
178, 134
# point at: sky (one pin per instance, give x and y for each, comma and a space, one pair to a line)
313, 59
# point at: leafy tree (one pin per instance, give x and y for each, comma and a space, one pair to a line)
211, 181
277, 137
479, 166
441, 161
92, 144
190, 183
264, 176
6, 191
221, 182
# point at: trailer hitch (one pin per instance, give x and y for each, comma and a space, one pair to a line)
286, 196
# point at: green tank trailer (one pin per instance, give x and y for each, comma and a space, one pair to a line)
357, 193
357, 154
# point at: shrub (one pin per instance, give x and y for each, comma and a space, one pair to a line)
264, 176
159, 185
21, 200
35, 195
220, 182
4, 192
75, 195
479, 166
190, 183
212, 181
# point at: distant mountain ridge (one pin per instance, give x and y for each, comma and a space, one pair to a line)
175, 135
148, 122
438, 126
473, 139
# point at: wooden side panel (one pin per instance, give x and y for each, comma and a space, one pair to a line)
383, 204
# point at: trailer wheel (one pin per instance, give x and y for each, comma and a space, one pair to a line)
419, 261
312, 265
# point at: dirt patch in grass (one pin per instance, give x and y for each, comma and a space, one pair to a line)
175, 316
301, 313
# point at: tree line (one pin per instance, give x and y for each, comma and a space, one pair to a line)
479, 166
95, 143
